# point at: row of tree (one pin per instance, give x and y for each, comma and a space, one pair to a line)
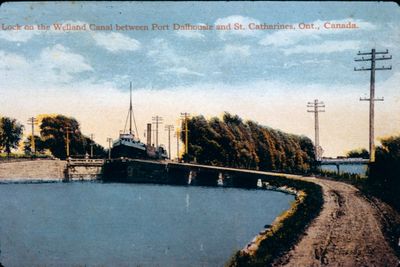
232, 142
358, 153
53, 137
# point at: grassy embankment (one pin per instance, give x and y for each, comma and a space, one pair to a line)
287, 228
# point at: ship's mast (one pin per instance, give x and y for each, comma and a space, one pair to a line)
130, 110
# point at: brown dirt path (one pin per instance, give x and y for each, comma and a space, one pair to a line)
346, 233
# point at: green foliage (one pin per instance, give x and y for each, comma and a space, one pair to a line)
39, 145
384, 173
232, 142
358, 153
53, 131
10, 134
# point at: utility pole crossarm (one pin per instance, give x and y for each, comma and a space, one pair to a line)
361, 54
362, 68
363, 59
384, 68
380, 53
369, 99
384, 58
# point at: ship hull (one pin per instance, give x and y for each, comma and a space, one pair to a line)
123, 151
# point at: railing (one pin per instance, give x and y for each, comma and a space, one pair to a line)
92, 162
345, 161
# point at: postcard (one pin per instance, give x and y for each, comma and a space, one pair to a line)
199, 133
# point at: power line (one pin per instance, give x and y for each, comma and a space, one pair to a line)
318, 106
372, 98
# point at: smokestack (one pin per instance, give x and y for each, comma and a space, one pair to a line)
149, 134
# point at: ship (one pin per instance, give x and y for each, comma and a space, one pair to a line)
129, 146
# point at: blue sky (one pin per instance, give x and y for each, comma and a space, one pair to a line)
267, 76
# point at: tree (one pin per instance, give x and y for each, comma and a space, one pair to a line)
39, 145
358, 153
10, 134
54, 130
234, 143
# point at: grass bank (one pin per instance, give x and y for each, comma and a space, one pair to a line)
287, 228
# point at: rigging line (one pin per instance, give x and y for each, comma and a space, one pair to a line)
130, 108
137, 133
126, 121
132, 115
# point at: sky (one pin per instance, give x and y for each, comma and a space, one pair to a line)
267, 76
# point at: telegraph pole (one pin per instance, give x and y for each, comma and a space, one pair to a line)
169, 128
68, 131
157, 120
318, 106
178, 133
91, 145
372, 98
109, 140
33, 121
185, 116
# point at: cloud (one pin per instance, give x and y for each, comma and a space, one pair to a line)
11, 61
18, 36
237, 50
245, 21
112, 41
59, 57
282, 38
165, 57
183, 71
323, 48
191, 34
115, 42
56, 64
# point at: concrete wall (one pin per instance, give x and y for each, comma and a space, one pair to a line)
33, 169
84, 172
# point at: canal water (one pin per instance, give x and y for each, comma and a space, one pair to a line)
96, 224
360, 169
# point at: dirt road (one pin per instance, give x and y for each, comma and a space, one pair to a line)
346, 233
